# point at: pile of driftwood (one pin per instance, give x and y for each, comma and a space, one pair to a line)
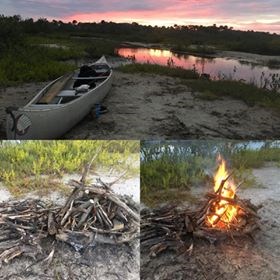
92, 214
169, 226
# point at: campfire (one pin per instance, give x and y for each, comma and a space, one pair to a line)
222, 214
92, 214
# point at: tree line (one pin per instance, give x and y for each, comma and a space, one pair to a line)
13, 29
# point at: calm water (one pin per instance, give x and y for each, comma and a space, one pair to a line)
216, 67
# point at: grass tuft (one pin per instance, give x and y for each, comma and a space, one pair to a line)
250, 94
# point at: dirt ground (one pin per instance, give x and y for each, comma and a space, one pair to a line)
99, 262
143, 106
247, 259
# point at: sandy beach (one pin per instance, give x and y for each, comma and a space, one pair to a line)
144, 106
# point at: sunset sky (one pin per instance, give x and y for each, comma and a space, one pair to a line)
262, 15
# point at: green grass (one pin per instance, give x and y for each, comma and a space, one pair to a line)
169, 180
170, 175
246, 159
23, 165
32, 61
177, 72
250, 94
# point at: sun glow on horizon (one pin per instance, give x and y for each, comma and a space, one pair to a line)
265, 25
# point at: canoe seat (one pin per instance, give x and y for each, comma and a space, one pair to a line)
54, 90
84, 81
67, 92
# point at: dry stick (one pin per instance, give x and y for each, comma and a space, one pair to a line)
109, 195
76, 191
236, 202
64, 219
120, 177
219, 191
239, 185
104, 215
9, 254
88, 166
99, 218
51, 224
109, 185
86, 214
220, 216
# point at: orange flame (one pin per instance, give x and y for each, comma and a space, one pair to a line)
223, 211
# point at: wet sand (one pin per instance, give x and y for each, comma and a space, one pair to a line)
144, 106
245, 258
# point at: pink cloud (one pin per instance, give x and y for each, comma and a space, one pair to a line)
242, 14
171, 16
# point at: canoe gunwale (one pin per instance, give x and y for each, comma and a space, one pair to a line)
31, 106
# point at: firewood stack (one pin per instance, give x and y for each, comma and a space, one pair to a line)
169, 227
96, 214
92, 214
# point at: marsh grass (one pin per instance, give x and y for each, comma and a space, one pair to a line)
25, 165
249, 94
246, 159
36, 60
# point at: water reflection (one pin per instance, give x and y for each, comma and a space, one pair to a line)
218, 68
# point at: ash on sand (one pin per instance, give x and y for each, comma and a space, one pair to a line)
246, 259
100, 262
97, 261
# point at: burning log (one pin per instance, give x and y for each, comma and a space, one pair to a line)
92, 214
223, 214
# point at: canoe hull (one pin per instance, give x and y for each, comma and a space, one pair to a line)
52, 122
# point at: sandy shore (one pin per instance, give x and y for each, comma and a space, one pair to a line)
143, 106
